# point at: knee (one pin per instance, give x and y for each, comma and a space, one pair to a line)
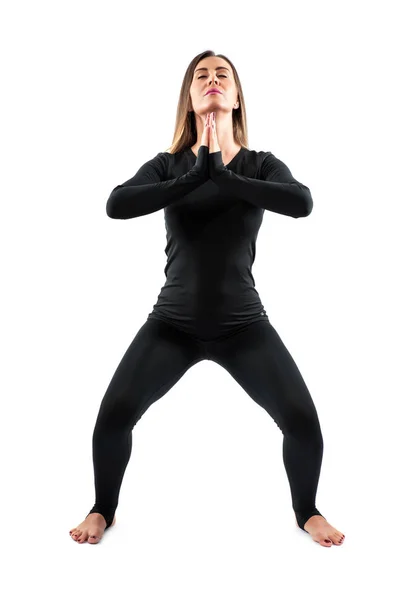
118, 413
303, 424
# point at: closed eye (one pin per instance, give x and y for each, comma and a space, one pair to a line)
206, 76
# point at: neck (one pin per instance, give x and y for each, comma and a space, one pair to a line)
224, 128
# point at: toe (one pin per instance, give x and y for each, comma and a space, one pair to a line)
93, 539
340, 534
326, 542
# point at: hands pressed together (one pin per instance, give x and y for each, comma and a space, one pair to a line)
209, 137
213, 168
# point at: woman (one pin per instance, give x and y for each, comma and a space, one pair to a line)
214, 191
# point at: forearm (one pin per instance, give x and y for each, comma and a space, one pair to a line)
291, 199
135, 198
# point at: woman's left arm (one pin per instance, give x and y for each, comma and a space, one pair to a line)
277, 190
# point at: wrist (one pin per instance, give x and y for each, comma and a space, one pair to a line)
215, 164
201, 165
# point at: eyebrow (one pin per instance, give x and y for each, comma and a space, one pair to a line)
205, 69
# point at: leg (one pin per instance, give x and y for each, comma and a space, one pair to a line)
258, 360
156, 359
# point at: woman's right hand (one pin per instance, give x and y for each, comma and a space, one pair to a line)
201, 165
206, 131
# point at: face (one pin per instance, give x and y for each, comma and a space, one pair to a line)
209, 74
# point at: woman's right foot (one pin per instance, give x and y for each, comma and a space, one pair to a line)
90, 530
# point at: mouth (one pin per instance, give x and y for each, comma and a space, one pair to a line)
213, 92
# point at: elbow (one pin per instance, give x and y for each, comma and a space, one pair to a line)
306, 204
112, 206
110, 211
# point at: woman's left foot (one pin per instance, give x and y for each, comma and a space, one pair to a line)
322, 532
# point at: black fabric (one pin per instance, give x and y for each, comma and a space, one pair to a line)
209, 309
255, 356
212, 214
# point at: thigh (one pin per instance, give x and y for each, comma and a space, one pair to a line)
259, 361
156, 359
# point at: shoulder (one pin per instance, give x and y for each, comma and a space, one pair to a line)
169, 158
161, 163
255, 158
169, 164
274, 169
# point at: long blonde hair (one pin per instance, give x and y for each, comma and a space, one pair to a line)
185, 133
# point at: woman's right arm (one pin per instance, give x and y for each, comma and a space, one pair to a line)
146, 192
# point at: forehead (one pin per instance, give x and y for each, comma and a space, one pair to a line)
212, 62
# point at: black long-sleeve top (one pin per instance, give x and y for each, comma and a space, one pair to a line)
213, 213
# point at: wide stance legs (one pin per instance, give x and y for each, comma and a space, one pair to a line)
256, 357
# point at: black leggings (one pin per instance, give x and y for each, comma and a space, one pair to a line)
255, 356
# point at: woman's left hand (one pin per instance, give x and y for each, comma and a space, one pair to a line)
213, 141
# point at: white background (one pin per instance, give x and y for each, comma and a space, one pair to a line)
90, 92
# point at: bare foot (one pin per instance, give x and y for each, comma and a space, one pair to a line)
322, 532
90, 530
